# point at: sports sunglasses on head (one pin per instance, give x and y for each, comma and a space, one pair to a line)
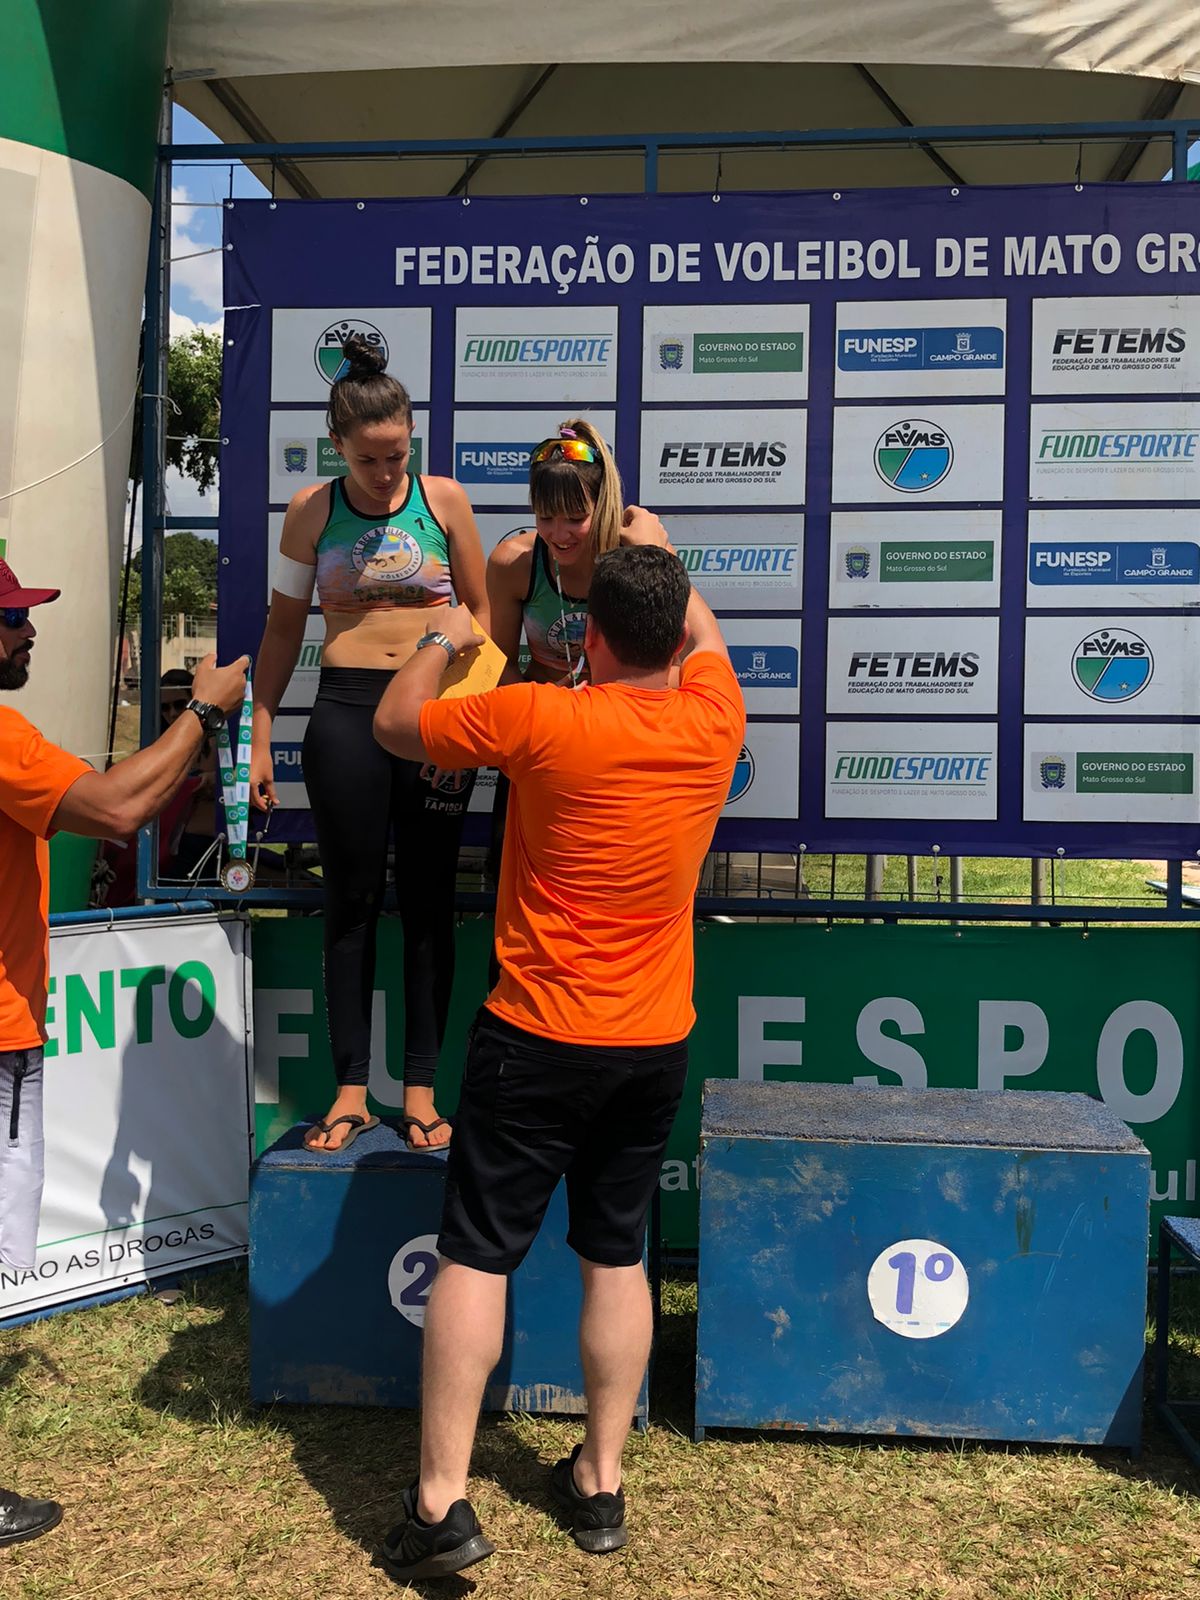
568, 449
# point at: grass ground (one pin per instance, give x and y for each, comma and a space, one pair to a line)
135, 1415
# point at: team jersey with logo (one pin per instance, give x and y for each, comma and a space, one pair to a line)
366, 561
554, 621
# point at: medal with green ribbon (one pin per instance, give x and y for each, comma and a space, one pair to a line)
237, 875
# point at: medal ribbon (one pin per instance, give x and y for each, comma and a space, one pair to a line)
235, 777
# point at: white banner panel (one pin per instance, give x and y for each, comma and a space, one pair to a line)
147, 1108
307, 356
287, 740
943, 771
497, 525
1119, 344
1112, 666
566, 355
932, 666
492, 450
301, 452
302, 689
766, 780
897, 456
905, 561
919, 347
765, 652
743, 563
1102, 557
1111, 773
725, 353
1108, 451
723, 458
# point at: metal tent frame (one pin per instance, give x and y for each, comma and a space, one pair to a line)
1175, 135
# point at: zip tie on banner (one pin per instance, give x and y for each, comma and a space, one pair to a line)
11, 494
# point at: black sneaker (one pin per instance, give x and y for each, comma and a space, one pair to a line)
22, 1519
597, 1520
414, 1550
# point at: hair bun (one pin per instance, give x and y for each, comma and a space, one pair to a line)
366, 360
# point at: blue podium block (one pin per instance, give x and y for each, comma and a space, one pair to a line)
342, 1258
945, 1262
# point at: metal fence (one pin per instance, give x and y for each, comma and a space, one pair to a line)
738, 886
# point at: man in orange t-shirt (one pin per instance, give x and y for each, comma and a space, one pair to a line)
578, 1060
43, 790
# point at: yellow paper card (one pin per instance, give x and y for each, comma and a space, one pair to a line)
475, 672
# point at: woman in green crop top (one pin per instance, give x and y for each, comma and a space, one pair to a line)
385, 550
538, 581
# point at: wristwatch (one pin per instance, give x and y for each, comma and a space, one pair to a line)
438, 638
211, 717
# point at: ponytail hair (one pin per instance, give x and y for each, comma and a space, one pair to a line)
365, 393
575, 489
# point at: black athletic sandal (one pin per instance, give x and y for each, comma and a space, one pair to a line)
597, 1520
426, 1128
357, 1125
416, 1549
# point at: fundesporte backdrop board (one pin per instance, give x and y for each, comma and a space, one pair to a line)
934, 456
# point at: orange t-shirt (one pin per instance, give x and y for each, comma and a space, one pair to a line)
34, 776
616, 791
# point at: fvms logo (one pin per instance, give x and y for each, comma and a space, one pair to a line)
913, 456
743, 775
1112, 665
329, 352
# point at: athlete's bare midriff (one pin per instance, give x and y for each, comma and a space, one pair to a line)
383, 638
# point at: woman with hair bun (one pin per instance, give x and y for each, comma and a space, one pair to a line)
384, 549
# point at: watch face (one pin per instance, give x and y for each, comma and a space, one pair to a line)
236, 876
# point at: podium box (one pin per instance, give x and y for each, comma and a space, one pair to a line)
944, 1262
342, 1258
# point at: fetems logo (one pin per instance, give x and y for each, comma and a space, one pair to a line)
913, 456
329, 352
722, 456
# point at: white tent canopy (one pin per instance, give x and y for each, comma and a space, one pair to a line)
303, 70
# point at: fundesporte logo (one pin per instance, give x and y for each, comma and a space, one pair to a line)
329, 352
913, 455
1112, 665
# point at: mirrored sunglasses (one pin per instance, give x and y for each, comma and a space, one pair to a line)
568, 449
15, 616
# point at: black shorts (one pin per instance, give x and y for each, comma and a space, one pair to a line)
533, 1110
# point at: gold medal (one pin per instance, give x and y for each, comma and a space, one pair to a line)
237, 876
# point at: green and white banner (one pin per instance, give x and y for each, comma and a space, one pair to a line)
147, 1108
1112, 1013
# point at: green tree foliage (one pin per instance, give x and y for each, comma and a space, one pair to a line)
189, 576
194, 385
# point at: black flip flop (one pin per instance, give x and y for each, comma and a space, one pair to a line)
357, 1125
426, 1128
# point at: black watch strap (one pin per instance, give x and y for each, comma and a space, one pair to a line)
211, 717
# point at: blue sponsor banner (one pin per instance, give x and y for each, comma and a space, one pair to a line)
480, 462
922, 462
948, 349
768, 666
1133, 562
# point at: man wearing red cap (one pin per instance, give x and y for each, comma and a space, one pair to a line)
43, 790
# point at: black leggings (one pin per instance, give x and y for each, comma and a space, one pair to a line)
359, 794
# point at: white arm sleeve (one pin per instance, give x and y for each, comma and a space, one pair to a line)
294, 578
